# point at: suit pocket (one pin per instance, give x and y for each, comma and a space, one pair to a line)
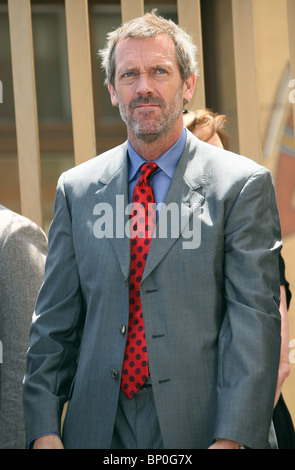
208, 244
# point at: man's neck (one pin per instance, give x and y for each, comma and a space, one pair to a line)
152, 150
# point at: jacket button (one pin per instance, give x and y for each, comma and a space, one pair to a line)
115, 374
122, 329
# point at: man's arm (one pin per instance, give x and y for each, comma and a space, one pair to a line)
249, 345
22, 259
54, 339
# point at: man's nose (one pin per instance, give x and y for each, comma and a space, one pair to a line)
144, 84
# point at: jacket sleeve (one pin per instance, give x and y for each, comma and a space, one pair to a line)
249, 344
55, 330
22, 258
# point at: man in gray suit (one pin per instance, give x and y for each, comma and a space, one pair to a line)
23, 247
209, 292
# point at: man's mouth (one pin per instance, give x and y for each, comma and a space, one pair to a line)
146, 103
146, 106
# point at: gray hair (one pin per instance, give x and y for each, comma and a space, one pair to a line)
146, 26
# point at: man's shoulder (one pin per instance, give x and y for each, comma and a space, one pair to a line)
95, 167
12, 221
18, 229
219, 162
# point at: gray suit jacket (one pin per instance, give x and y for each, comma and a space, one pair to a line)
211, 313
23, 247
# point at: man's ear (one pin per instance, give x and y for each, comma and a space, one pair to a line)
189, 87
113, 95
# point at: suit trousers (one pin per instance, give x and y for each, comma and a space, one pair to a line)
136, 425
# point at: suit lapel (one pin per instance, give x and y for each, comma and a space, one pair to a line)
113, 191
185, 193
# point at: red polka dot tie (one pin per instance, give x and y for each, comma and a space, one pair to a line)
135, 365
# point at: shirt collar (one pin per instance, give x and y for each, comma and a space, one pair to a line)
167, 162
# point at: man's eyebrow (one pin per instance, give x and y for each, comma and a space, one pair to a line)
161, 63
127, 68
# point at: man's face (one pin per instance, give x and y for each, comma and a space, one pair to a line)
148, 87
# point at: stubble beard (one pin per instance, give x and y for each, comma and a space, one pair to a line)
150, 127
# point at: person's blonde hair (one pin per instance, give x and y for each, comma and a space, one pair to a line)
146, 26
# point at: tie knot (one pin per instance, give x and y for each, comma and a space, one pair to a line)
147, 169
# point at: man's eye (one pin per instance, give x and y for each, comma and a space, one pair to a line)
161, 71
128, 74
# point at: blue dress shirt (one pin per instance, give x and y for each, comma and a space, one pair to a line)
161, 178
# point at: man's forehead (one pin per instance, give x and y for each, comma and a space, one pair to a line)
152, 49
158, 44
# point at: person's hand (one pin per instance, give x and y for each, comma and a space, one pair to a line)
224, 444
284, 366
48, 441
284, 371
